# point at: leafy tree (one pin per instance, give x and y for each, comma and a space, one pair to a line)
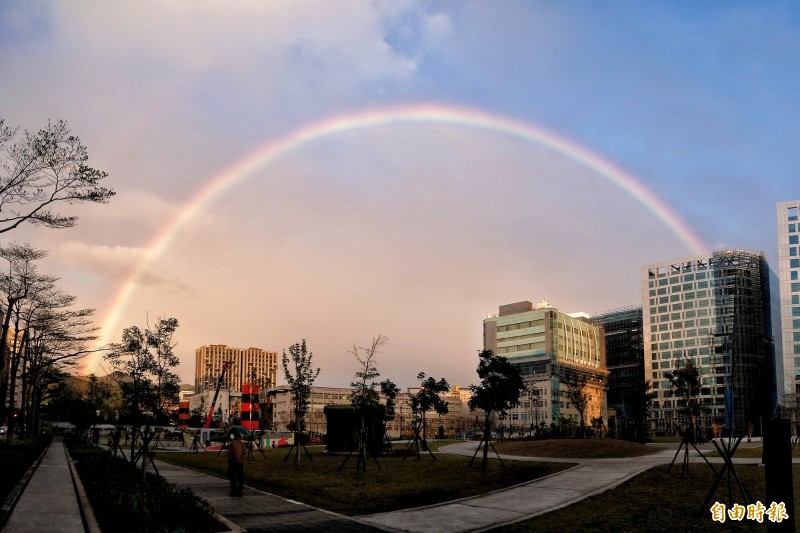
390, 392
142, 365
685, 383
300, 376
42, 169
500, 389
577, 396
640, 408
198, 415
16, 285
428, 398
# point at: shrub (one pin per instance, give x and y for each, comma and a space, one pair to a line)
15, 459
124, 502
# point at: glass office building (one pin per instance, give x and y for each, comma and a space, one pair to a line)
788, 227
718, 311
624, 338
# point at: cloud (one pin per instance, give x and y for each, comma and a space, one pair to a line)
109, 261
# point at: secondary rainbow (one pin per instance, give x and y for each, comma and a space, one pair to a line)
422, 114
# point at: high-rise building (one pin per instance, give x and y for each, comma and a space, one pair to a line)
549, 347
248, 365
716, 310
624, 357
788, 223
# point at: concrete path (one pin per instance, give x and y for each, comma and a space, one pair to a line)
479, 513
49, 502
258, 511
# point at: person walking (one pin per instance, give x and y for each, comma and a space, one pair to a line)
236, 463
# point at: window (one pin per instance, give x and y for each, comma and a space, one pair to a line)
794, 239
794, 274
795, 287
793, 251
794, 263
792, 211
796, 299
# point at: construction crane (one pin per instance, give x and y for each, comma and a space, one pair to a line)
225, 366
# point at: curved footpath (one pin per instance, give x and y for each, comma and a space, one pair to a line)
50, 500
520, 502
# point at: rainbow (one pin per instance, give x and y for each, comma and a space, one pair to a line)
464, 117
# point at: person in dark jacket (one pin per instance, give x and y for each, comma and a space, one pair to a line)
236, 463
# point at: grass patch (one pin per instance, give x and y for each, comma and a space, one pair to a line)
124, 502
397, 484
575, 448
15, 459
658, 501
752, 453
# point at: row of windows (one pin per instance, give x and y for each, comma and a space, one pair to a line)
521, 337
521, 325
521, 347
686, 314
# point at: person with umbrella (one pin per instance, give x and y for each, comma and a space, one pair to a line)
236, 462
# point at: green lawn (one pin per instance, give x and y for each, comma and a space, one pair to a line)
658, 501
394, 484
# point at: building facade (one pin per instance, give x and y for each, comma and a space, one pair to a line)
716, 310
248, 365
458, 420
624, 338
550, 348
788, 226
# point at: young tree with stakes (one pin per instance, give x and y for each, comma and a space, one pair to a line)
500, 389
142, 366
428, 398
297, 367
364, 398
685, 383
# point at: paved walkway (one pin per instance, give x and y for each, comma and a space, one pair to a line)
258, 511
49, 502
479, 513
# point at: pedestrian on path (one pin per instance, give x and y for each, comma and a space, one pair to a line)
236, 463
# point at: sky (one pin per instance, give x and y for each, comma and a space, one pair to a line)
332, 171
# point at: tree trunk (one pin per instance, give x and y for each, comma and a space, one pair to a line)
4, 361
487, 434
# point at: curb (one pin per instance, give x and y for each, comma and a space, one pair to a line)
13, 496
89, 520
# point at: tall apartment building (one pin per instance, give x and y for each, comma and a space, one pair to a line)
549, 346
624, 338
718, 311
788, 226
247, 365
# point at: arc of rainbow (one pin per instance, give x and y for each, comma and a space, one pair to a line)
406, 114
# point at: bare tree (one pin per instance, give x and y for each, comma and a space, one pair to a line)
42, 169
364, 395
